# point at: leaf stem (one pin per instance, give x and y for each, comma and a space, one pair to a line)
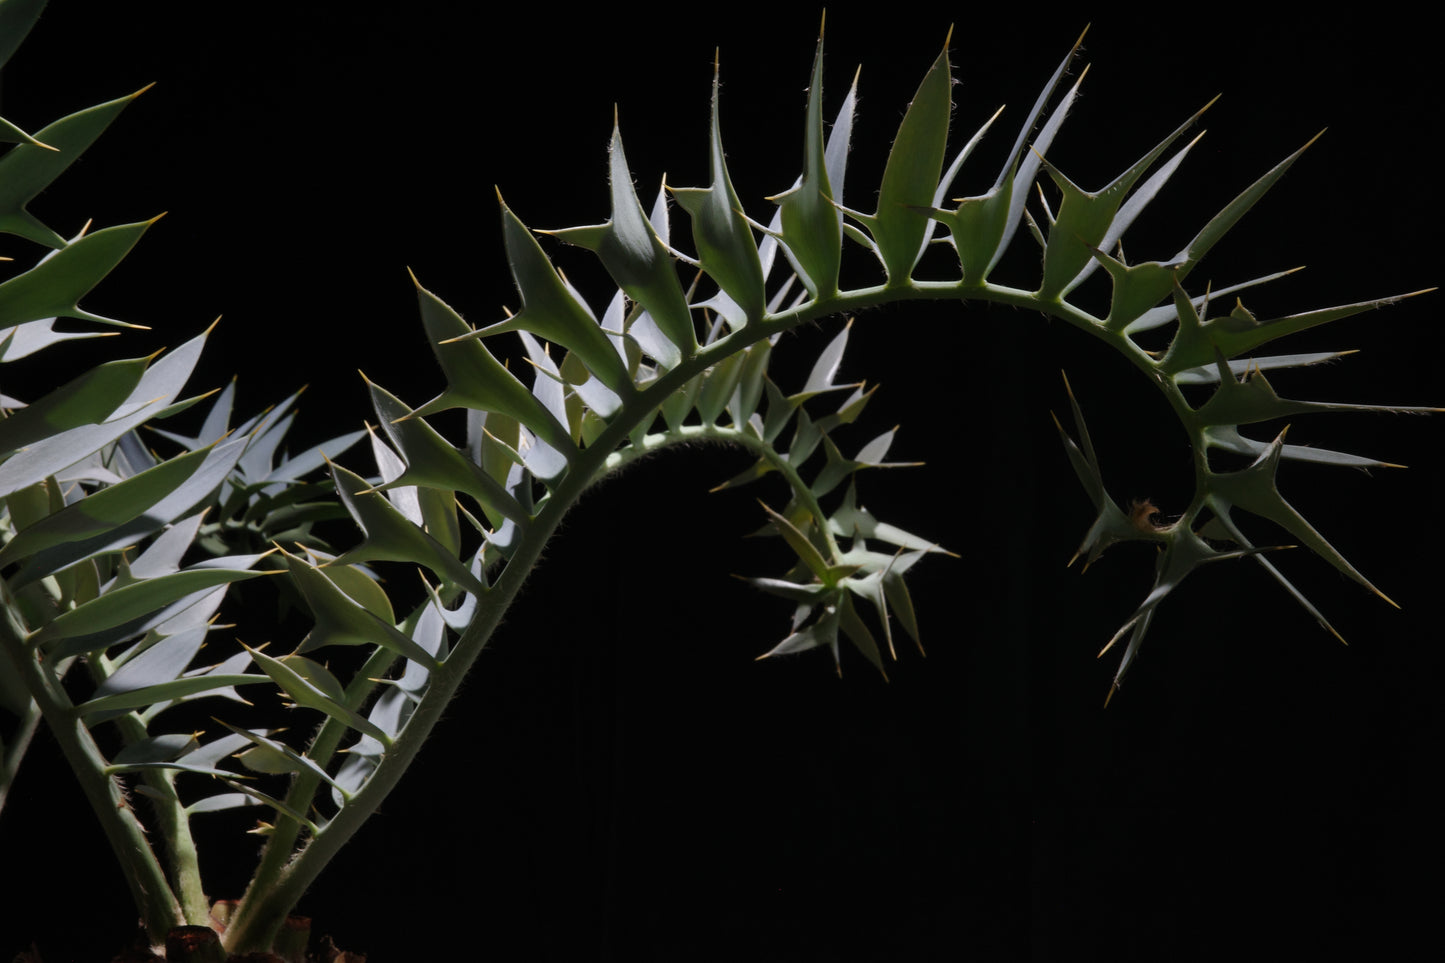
733, 436
279, 882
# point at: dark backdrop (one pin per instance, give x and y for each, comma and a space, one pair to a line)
620, 780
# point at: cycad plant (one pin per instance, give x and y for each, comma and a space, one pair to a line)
119, 548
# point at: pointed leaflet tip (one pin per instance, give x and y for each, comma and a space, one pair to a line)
900, 228
812, 231
1117, 636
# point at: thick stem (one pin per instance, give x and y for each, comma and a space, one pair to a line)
159, 908
266, 906
185, 863
171, 819
257, 921
12, 754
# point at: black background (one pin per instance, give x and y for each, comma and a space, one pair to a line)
620, 780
